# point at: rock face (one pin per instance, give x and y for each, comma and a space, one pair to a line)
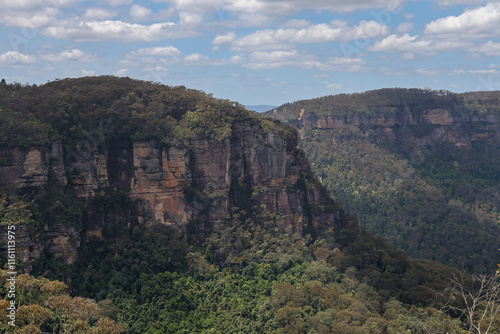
175, 186
438, 125
22, 168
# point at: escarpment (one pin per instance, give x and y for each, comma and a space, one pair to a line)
189, 184
417, 167
396, 115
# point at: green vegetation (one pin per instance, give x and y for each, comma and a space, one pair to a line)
414, 213
45, 306
425, 196
243, 274
247, 276
18, 130
110, 108
385, 101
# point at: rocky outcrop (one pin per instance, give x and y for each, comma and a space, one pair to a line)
159, 181
171, 185
437, 125
175, 186
22, 168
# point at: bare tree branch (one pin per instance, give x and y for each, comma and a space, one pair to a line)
475, 299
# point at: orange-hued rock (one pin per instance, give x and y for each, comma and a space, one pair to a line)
159, 179
437, 125
200, 184
322, 123
437, 116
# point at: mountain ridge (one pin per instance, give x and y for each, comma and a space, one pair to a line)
387, 152
191, 213
173, 183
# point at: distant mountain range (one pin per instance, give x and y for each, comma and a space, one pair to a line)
260, 107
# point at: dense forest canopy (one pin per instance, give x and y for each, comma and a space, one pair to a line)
430, 188
389, 100
121, 108
247, 275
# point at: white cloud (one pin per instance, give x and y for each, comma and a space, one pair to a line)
16, 58
157, 68
118, 2
197, 5
86, 73
297, 24
280, 58
319, 33
488, 71
100, 31
472, 24
274, 56
190, 19
346, 61
192, 12
35, 4
163, 51
348, 5
139, 13
29, 18
405, 27
409, 44
456, 72
345, 64
98, 14
196, 59
122, 72
151, 57
224, 39
236, 59
489, 49
259, 12
449, 33
69, 55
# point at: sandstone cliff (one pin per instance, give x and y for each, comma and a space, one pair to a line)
173, 185
398, 115
452, 125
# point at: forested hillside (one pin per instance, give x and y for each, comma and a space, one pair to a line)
143, 208
420, 168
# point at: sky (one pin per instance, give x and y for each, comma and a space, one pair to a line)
257, 51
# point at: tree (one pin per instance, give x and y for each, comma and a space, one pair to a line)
34, 315
15, 213
74, 312
476, 299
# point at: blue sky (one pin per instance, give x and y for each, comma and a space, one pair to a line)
257, 51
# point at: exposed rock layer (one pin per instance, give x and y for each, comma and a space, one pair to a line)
437, 125
172, 185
